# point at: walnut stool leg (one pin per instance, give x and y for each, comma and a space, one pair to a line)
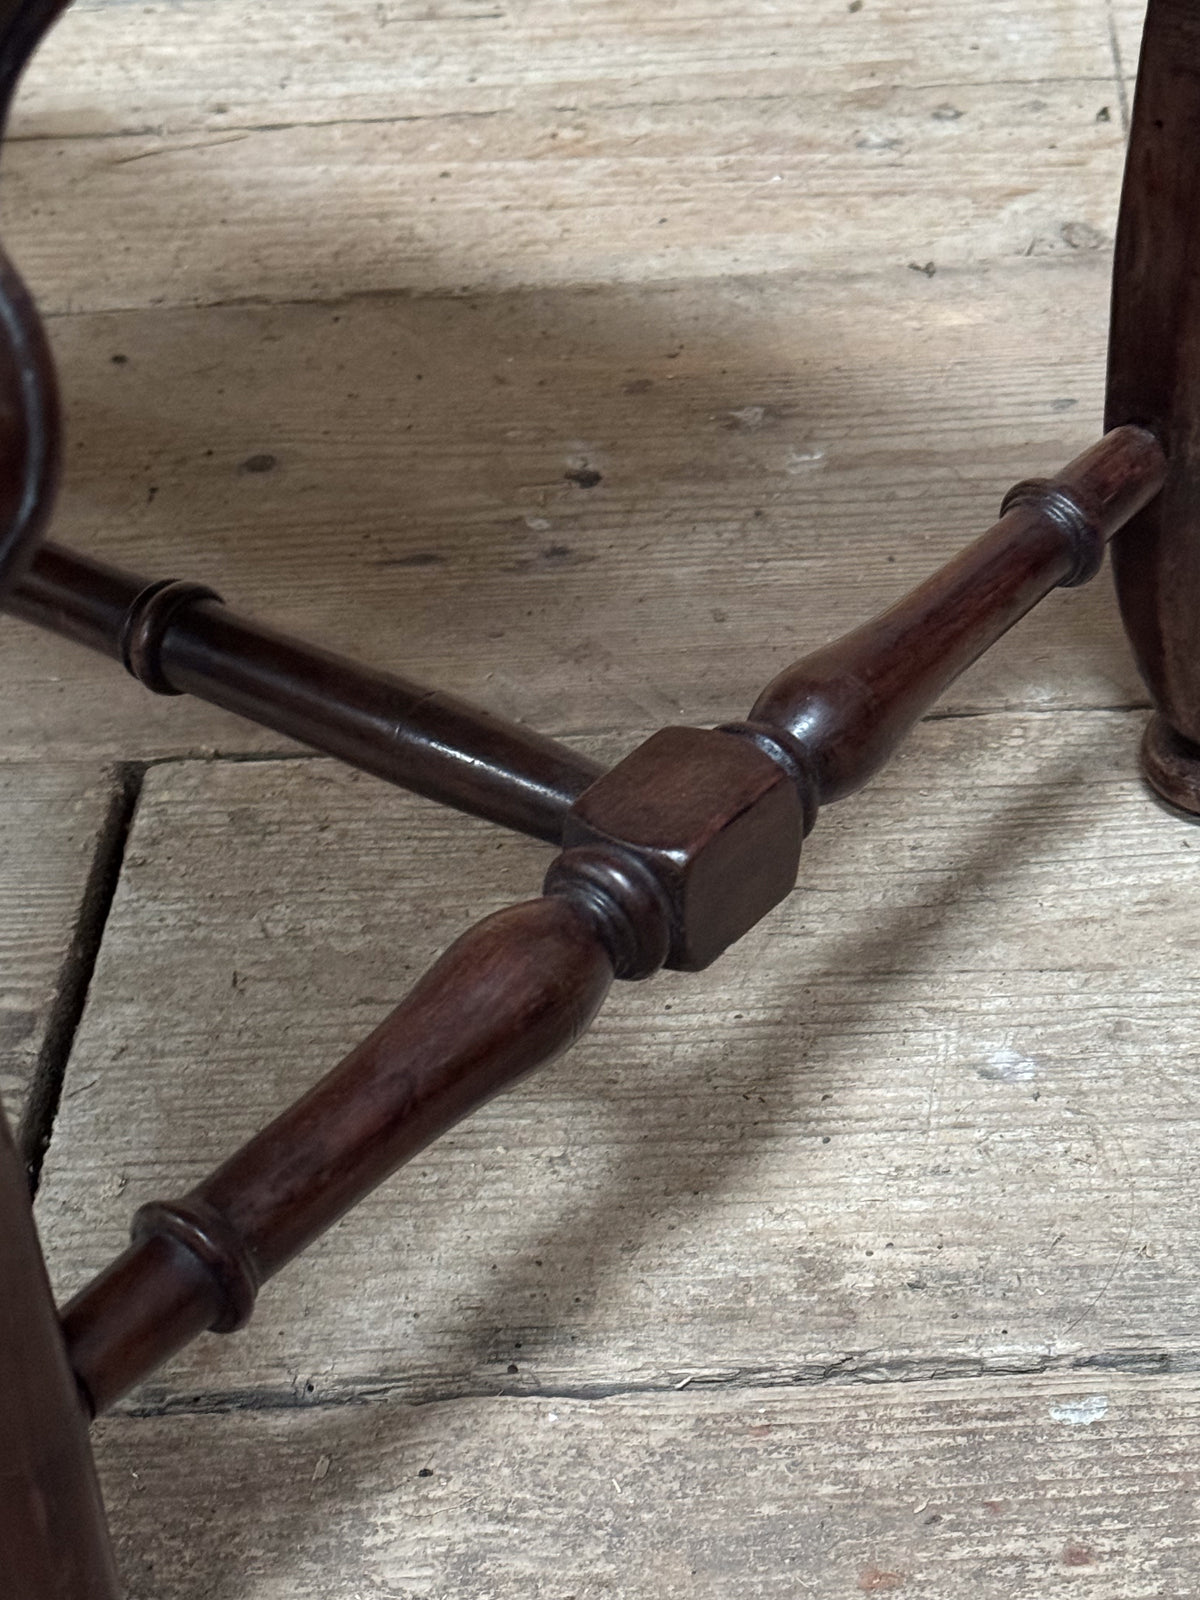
53, 1541
1154, 380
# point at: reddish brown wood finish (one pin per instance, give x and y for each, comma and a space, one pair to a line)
29, 414
29, 427
510, 994
53, 1542
713, 820
179, 638
1171, 763
670, 857
846, 707
1154, 380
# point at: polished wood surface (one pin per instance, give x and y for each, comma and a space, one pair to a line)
713, 822
29, 409
1154, 380
178, 638
670, 858
847, 706
509, 995
53, 1541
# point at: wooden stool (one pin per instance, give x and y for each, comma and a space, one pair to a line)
664, 861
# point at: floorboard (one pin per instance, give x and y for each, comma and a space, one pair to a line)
1007, 1490
778, 458
595, 361
935, 1114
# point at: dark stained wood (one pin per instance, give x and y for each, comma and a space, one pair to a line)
30, 444
53, 1539
669, 858
1154, 380
178, 638
1171, 763
714, 820
509, 995
846, 707
53, 1542
23, 26
29, 427
836, 716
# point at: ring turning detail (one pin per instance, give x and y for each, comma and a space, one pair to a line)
665, 860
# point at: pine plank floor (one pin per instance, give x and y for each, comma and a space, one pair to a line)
860, 1264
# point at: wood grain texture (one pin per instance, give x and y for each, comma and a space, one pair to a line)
934, 1115
1153, 369
849, 705
779, 459
1015, 1489
376, 148
936, 1118
306, 213
512, 993
753, 433
58, 827
213, 65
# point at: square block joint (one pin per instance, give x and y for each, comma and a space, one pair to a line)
717, 822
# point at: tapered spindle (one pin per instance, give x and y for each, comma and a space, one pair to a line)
510, 994
178, 638
669, 858
845, 708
